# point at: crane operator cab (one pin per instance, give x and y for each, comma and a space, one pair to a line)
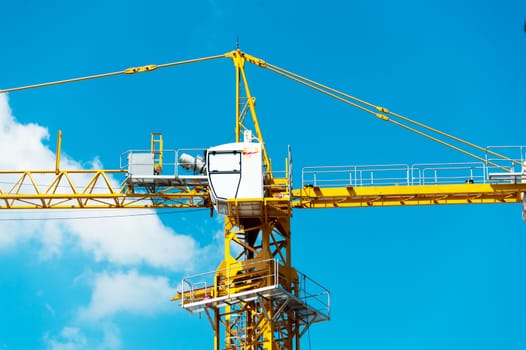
234, 174
235, 171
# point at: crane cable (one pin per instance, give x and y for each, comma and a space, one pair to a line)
92, 217
339, 95
358, 103
131, 70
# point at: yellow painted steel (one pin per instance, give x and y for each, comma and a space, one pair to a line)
97, 191
74, 189
131, 70
253, 320
57, 153
256, 230
351, 197
156, 147
239, 58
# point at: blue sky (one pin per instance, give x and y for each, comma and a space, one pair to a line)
401, 278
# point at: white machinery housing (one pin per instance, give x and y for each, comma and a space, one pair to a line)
235, 171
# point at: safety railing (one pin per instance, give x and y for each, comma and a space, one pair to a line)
180, 162
227, 282
448, 173
356, 175
510, 169
406, 175
254, 279
314, 295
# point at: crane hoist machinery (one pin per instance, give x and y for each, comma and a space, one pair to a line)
256, 298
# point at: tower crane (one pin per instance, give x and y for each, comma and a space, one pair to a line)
256, 298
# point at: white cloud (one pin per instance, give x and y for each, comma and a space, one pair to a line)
127, 293
72, 338
126, 240
130, 240
111, 339
23, 142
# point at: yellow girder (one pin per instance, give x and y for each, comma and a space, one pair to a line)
350, 197
63, 190
74, 189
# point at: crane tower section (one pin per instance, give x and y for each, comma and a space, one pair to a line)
255, 299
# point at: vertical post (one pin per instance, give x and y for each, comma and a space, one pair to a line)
57, 154
157, 151
523, 195
217, 330
238, 63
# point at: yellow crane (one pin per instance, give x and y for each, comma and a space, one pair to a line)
256, 299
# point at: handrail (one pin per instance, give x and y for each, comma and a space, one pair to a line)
248, 281
405, 175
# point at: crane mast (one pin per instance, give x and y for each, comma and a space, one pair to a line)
256, 298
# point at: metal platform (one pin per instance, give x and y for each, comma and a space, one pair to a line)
144, 175
167, 180
256, 281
